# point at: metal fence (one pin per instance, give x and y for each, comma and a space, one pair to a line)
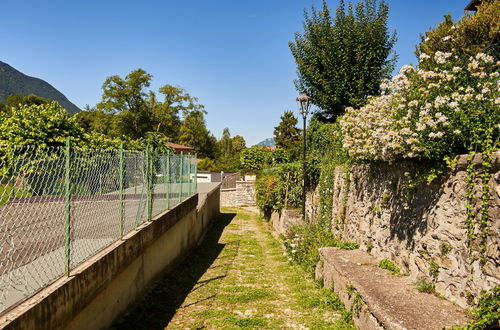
61, 205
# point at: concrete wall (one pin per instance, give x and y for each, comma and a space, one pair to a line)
421, 227
242, 195
101, 289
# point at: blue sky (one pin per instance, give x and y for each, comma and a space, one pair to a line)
232, 55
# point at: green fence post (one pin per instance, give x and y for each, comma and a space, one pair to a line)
149, 178
164, 175
121, 174
195, 174
169, 184
67, 198
190, 175
181, 170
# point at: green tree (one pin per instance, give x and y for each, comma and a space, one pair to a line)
39, 125
167, 114
238, 143
225, 144
15, 100
97, 121
130, 101
286, 134
342, 60
253, 158
194, 133
472, 34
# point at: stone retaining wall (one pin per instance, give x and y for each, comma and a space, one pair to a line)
242, 195
419, 226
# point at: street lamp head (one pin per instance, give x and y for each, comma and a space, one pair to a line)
304, 102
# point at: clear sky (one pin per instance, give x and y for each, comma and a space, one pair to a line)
232, 55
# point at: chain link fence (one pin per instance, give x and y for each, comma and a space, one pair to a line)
61, 205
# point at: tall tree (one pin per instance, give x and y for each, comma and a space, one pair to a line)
342, 60
225, 144
286, 134
167, 115
194, 133
130, 100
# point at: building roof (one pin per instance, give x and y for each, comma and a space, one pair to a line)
472, 6
179, 147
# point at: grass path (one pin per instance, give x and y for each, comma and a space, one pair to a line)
238, 278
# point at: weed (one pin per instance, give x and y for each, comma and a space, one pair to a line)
445, 248
433, 269
389, 265
424, 285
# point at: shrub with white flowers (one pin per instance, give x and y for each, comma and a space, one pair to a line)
429, 113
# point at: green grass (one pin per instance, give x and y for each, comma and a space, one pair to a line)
246, 284
243, 294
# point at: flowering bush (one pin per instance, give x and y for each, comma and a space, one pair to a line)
429, 113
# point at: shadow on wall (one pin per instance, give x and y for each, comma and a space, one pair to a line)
159, 306
406, 194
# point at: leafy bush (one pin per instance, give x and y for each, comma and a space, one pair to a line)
448, 105
290, 184
253, 158
487, 311
474, 33
266, 192
389, 265
303, 242
429, 113
279, 187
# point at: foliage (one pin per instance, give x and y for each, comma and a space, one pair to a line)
229, 149
424, 285
289, 185
42, 125
130, 111
473, 34
266, 193
487, 311
429, 113
389, 265
129, 98
302, 244
279, 188
207, 164
277, 157
253, 158
287, 135
194, 133
342, 60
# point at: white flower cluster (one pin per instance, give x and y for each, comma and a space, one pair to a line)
421, 109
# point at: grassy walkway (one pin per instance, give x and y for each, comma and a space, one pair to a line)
238, 278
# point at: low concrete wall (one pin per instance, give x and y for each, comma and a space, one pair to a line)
102, 288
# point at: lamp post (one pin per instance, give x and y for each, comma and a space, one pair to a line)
304, 103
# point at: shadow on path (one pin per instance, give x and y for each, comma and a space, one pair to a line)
159, 306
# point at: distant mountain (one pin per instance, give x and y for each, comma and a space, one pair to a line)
267, 142
15, 82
